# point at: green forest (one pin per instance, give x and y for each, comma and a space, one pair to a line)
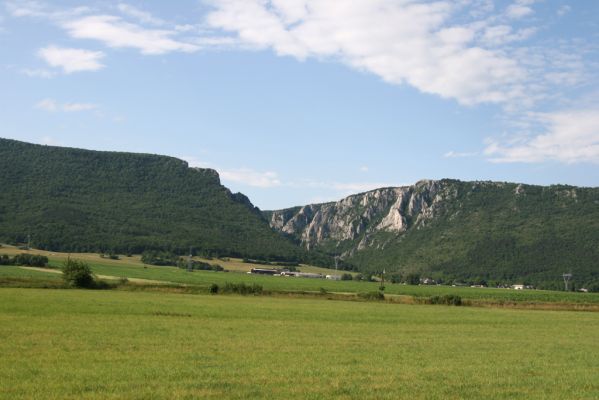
487, 233
89, 201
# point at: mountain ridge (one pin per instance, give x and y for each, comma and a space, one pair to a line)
456, 230
84, 200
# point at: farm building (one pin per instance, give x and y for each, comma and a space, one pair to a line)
333, 277
263, 271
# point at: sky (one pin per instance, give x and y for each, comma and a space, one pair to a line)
303, 101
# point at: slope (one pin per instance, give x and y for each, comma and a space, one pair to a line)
455, 230
90, 201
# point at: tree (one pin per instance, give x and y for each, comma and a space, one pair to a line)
346, 277
413, 279
77, 274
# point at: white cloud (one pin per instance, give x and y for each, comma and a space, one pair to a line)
457, 154
520, 9
26, 9
501, 34
140, 15
38, 9
47, 105
72, 60
38, 73
116, 33
568, 137
53, 106
403, 42
243, 176
250, 177
364, 168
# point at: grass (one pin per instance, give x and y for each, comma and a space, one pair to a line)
231, 264
131, 267
70, 344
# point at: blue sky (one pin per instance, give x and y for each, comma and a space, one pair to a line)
300, 101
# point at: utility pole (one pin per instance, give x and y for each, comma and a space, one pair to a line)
382, 287
567, 278
336, 262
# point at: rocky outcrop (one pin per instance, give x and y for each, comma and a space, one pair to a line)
358, 217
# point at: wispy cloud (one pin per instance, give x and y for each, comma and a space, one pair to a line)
520, 9
37, 9
250, 177
72, 60
412, 43
567, 136
242, 176
54, 106
38, 73
140, 15
457, 154
114, 32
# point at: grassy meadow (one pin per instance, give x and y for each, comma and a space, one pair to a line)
72, 344
133, 269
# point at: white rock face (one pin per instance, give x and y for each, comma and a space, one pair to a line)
393, 210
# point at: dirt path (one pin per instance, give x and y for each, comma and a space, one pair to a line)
110, 277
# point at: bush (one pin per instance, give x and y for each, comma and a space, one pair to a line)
159, 258
413, 279
242, 288
77, 274
372, 296
31, 260
183, 263
395, 277
448, 299
214, 288
346, 277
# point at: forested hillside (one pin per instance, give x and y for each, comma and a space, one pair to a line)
89, 201
463, 231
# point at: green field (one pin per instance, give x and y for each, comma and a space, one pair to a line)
12, 276
71, 344
133, 268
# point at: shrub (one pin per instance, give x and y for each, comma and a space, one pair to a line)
31, 260
346, 277
448, 299
183, 263
413, 279
372, 296
159, 258
214, 288
77, 274
242, 288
